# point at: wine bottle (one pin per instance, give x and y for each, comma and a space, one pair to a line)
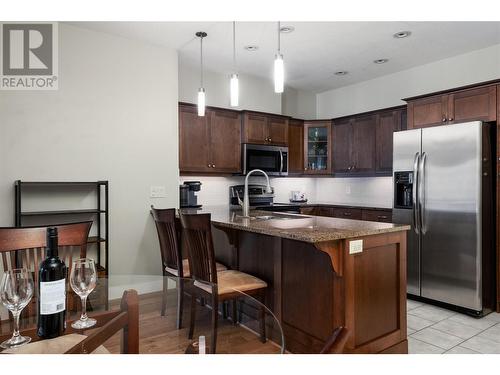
52, 291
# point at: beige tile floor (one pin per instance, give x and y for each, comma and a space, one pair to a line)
434, 330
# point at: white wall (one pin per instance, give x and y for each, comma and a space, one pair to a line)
255, 93
299, 104
359, 191
114, 118
387, 91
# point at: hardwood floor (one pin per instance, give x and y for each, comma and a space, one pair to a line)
158, 334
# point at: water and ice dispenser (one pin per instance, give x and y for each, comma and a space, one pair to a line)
403, 189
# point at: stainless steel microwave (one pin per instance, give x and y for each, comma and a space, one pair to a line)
271, 159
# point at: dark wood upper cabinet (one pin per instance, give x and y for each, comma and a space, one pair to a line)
476, 104
225, 144
295, 146
278, 130
342, 145
317, 147
363, 144
255, 128
387, 123
265, 129
211, 143
194, 140
427, 112
473, 105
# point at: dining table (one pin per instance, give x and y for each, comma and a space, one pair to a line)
159, 333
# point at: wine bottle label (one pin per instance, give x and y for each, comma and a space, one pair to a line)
52, 297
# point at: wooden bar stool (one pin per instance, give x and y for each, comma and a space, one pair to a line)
169, 233
197, 230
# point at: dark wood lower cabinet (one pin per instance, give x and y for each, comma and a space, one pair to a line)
347, 213
383, 215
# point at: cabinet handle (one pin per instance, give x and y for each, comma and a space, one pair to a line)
270, 140
382, 217
213, 165
347, 214
209, 165
305, 169
450, 119
444, 119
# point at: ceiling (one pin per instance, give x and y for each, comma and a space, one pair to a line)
315, 50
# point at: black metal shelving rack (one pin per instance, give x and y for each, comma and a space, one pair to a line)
101, 211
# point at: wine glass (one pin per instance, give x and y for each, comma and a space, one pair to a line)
83, 279
16, 290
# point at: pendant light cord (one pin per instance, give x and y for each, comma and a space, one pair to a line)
234, 46
201, 61
279, 37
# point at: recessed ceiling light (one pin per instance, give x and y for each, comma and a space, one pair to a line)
341, 73
402, 34
287, 29
251, 48
380, 61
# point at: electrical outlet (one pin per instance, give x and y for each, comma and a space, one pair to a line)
348, 189
158, 192
355, 246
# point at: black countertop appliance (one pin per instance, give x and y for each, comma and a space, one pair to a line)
187, 194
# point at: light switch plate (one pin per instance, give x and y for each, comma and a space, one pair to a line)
355, 246
158, 192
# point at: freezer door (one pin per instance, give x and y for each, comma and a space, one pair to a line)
451, 214
407, 144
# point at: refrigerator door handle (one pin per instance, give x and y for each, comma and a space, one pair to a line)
421, 193
416, 221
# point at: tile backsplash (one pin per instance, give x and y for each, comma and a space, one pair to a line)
369, 191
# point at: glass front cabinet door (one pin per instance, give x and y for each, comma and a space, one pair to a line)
317, 147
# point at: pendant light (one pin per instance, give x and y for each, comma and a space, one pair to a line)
279, 68
201, 90
233, 83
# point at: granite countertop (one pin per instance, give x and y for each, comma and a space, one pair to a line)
312, 229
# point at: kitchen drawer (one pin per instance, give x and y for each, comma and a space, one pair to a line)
347, 213
311, 210
377, 215
324, 211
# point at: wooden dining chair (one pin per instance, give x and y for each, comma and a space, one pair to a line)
169, 236
108, 323
223, 285
336, 342
25, 248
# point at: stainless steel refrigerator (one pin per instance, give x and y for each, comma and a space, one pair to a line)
443, 188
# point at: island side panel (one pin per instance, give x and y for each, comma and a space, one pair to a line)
312, 297
375, 284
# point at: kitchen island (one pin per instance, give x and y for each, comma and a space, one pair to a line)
322, 273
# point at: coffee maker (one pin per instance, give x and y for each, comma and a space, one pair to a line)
188, 198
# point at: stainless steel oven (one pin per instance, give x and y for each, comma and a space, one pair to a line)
271, 159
